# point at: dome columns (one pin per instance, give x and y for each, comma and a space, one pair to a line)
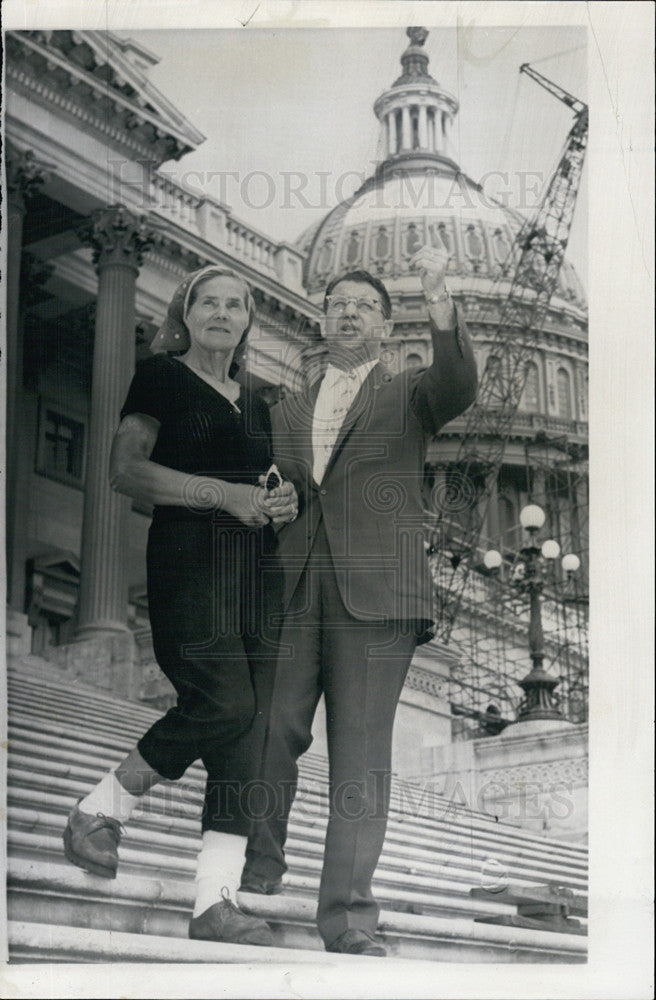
414, 112
414, 122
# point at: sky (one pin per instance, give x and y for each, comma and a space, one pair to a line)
285, 108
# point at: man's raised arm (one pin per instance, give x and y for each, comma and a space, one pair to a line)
449, 385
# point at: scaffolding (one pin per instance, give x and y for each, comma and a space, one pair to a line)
490, 631
536, 259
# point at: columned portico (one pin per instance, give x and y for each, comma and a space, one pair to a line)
24, 176
118, 239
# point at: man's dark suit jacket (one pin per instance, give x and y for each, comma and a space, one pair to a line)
370, 496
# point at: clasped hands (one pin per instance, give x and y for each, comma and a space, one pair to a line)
256, 506
281, 503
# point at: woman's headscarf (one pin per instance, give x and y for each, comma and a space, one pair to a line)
173, 334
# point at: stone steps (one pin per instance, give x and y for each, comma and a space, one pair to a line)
119, 731
32, 941
433, 856
161, 908
93, 760
399, 857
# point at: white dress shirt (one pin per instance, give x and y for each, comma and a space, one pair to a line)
336, 395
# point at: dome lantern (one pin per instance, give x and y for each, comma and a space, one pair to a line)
416, 112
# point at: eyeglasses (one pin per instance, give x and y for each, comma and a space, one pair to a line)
337, 304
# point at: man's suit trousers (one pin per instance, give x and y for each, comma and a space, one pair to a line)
360, 668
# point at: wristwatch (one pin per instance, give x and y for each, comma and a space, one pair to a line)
442, 297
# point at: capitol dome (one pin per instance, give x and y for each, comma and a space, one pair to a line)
406, 205
419, 195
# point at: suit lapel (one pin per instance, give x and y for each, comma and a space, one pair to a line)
296, 420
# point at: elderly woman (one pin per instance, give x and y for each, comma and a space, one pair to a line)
196, 445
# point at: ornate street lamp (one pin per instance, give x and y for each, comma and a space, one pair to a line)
539, 701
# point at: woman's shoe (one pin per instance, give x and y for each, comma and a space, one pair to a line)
91, 842
226, 922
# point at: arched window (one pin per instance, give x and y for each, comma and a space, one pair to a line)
531, 393
413, 360
493, 390
382, 242
325, 258
412, 239
473, 243
564, 394
501, 246
353, 248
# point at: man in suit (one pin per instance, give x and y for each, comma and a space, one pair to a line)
358, 588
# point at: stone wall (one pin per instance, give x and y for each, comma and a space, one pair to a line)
534, 774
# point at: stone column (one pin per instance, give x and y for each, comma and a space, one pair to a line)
394, 133
405, 127
24, 176
423, 126
387, 136
119, 240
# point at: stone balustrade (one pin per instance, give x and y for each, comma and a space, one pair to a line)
209, 218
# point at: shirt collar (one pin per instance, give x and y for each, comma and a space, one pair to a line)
333, 375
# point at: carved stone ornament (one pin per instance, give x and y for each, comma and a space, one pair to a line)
24, 174
116, 236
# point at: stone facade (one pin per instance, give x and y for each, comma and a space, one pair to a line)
534, 774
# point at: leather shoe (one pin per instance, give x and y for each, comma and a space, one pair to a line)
356, 942
250, 882
91, 842
224, 921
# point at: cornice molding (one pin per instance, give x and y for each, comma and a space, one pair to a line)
82, 114
171, 140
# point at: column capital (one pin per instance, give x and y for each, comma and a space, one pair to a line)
117, 236
24, 174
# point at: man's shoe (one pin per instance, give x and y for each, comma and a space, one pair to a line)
356, 942
225, 922
91, 842
260, 885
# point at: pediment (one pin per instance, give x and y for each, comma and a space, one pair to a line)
110, 75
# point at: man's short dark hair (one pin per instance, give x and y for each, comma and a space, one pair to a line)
364, 278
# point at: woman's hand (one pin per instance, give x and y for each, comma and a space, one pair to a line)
247, 503
281, 503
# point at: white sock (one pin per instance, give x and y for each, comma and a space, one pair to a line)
219, 865
110, 798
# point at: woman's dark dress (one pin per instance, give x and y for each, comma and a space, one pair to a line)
214, 588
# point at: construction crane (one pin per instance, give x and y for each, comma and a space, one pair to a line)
534, 263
